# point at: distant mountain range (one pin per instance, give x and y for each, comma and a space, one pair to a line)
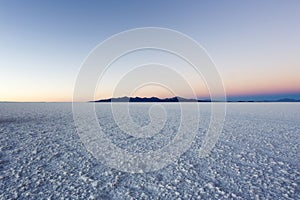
178, 99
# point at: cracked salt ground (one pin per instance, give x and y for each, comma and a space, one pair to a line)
257, 156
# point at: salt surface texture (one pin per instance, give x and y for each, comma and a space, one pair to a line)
257, 155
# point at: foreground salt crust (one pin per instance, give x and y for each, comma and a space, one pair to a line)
257, 155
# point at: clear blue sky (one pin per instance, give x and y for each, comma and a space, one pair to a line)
255, 44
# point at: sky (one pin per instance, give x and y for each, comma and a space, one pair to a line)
255, 45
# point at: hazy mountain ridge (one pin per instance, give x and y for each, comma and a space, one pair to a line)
149, 99
180, 99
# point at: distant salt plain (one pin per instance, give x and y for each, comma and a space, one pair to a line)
256, 157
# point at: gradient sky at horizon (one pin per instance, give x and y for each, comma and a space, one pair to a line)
254, 44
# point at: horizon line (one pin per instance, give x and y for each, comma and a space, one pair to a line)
205, 100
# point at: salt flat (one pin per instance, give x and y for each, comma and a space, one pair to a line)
256, 157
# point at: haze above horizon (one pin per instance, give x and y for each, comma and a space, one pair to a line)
254, 44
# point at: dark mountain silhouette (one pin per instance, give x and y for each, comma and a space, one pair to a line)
179, 99
150, 99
